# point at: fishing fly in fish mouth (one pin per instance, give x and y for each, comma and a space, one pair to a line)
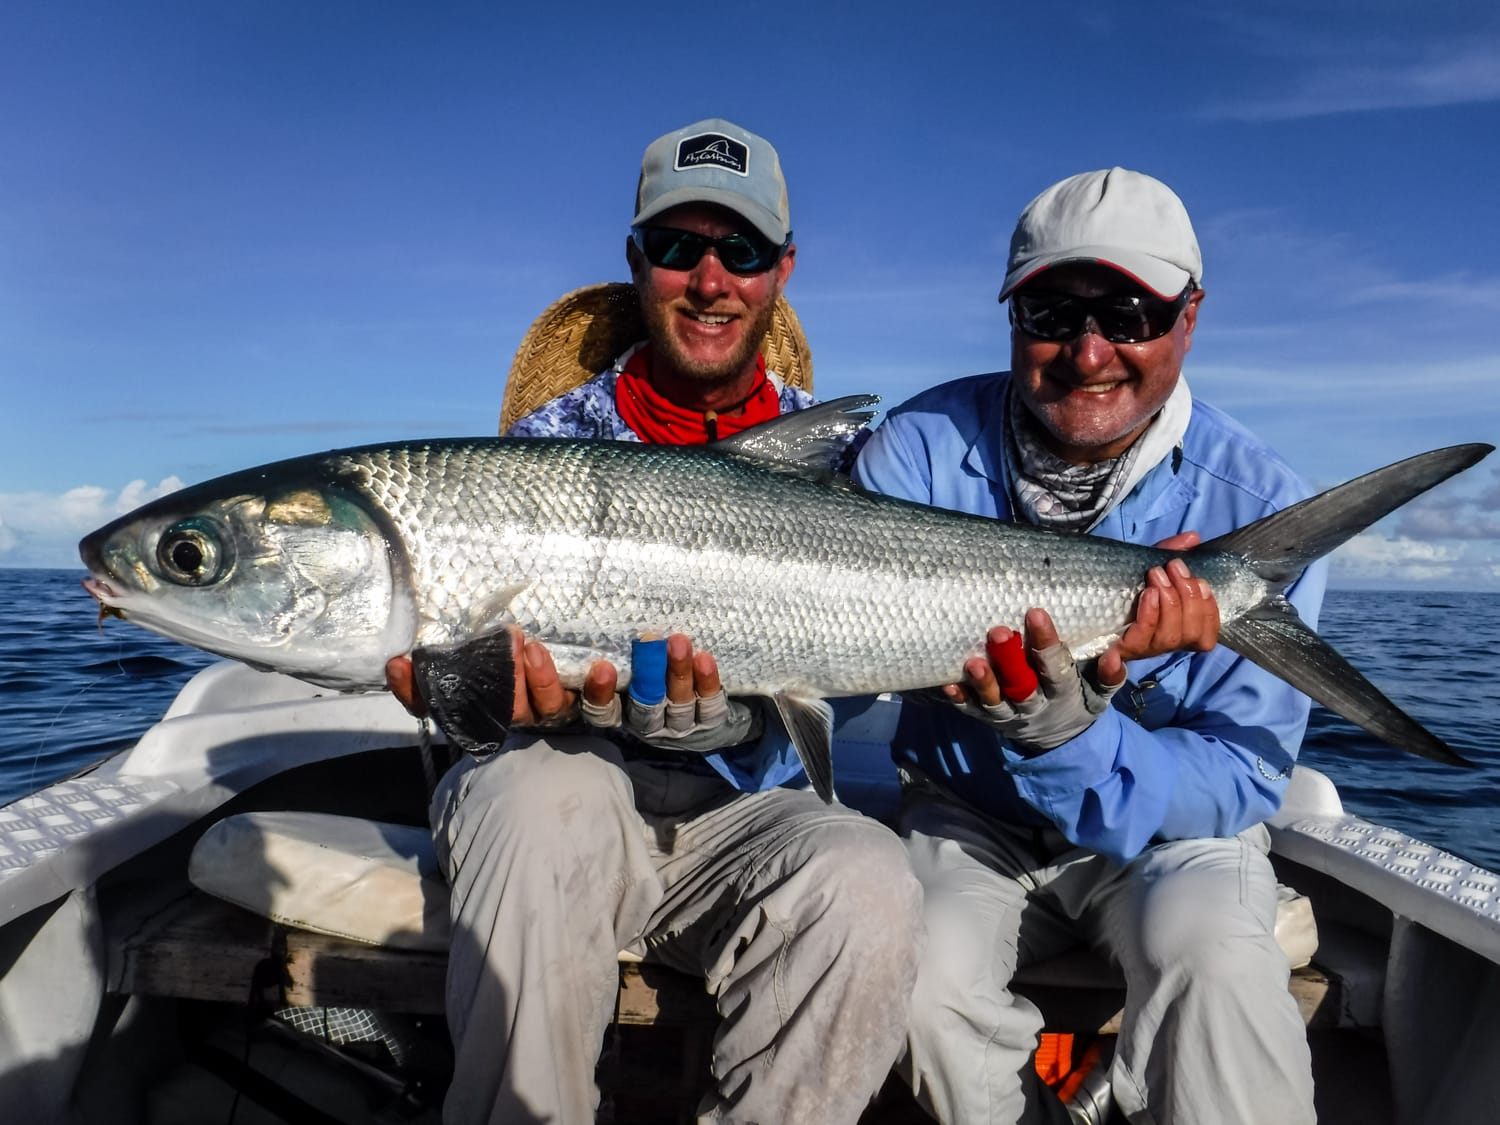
325, 567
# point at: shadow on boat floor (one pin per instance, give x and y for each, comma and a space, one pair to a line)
228, 1070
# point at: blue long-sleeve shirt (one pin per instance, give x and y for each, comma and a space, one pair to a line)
1195, 744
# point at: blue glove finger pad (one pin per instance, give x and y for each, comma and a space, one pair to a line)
648, 671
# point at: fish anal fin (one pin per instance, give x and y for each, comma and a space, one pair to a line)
470, 688
809, 722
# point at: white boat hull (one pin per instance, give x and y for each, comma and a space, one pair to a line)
1412, 933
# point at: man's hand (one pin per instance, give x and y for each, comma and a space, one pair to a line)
1030, 691
1175, 612
675, 701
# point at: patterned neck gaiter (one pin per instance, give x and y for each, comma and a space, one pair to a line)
1052, 492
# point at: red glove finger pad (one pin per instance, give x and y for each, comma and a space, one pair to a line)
1017, 679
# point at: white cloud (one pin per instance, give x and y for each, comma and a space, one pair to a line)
43, 529
1452, 513
1455, 73
1336, 272
1388, 561
1333, 420
1451, 290
138, 492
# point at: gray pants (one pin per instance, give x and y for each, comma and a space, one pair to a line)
804, 919
1210, 1033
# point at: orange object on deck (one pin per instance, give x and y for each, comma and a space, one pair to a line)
1075, 1076
1054, 1058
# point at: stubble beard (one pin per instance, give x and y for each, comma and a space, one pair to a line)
659, 330
1084, 435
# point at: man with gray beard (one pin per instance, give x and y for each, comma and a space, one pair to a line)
1120, 802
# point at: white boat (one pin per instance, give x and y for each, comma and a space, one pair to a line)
130, 996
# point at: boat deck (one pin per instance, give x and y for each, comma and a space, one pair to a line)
198, 948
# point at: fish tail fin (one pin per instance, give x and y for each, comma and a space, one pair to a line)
1280, 547
470, 688
1276, 638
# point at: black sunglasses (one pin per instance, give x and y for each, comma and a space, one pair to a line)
1121, 318
673, 249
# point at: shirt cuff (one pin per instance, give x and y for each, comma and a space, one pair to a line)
1078, 764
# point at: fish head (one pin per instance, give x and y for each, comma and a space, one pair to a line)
293, 575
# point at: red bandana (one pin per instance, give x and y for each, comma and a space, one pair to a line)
659, 422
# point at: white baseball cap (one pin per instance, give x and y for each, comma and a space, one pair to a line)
1118, 218
715, 161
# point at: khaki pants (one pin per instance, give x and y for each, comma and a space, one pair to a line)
1211, 1035
803, 918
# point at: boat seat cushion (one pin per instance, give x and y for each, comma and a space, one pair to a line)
345, 876
1296, 928
380, 883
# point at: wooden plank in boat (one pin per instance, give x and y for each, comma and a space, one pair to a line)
1068, 1008
335, 973
1077, 991
653, 995
331, 972
202, 948
195, 948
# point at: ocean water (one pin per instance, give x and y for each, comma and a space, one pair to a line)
73, 692
73, 689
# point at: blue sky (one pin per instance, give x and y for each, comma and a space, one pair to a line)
235, 232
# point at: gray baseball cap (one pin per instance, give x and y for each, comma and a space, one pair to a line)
714, 161
1115, 217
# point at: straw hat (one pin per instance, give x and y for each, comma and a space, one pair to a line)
584, 332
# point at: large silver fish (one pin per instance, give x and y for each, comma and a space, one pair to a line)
802, 587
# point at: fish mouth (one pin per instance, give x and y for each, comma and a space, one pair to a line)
106, 597
99, 588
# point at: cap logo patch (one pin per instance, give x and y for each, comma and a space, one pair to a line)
713, 148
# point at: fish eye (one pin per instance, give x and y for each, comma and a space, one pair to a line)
193, 553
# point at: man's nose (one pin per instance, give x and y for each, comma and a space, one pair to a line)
1091, 351
709, 278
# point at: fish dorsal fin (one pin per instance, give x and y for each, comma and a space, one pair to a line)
809, 722
813, 440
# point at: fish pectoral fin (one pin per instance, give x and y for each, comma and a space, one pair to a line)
470, 688
809, 722
493, 611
